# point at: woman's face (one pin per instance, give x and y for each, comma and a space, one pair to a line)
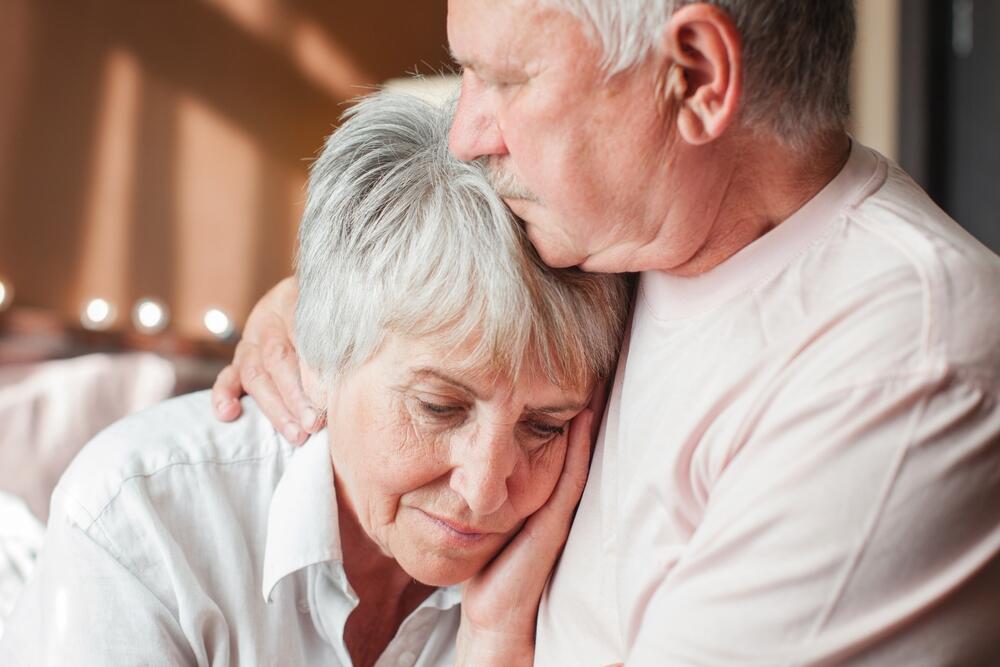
442, 464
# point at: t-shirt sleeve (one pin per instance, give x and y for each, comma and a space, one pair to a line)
83, 607
853, 526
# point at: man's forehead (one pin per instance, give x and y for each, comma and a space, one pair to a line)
486, 33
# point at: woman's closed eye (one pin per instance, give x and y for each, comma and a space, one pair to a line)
543, 431
438, 410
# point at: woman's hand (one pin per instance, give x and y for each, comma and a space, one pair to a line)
266, 367
500, 604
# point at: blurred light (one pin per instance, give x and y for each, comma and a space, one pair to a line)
218, 323
97, 314
150, 316
6, 294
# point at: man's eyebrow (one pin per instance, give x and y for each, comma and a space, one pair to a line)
444, 377
464, 62
469, 63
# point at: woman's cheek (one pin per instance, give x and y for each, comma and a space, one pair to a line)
536, 479
410, 455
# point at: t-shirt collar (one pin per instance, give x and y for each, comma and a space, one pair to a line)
673, 298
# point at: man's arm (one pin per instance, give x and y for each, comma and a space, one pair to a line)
82, 607
857, 526
266, 366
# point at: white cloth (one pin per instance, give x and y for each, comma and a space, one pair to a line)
175, 539
800, 461
20, 541
50, 409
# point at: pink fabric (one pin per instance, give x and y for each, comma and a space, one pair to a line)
49, 410
800, 459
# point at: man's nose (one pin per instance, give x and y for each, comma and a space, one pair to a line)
474, 130
482, 467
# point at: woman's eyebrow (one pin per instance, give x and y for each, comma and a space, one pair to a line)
555, 409
427, 371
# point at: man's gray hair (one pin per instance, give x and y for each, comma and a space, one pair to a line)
796, 55
399, 236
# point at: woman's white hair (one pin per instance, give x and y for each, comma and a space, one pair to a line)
796, 55
399, 236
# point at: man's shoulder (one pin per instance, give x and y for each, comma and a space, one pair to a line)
897, 284
938, 286
177, 438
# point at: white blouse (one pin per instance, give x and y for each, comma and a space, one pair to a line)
175, 539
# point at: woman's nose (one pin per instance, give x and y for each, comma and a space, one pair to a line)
474, 130
481, 470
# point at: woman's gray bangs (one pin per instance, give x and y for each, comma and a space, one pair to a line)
399, 236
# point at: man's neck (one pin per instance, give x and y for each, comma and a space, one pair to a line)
768, 187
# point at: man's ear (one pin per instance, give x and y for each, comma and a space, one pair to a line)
705, 79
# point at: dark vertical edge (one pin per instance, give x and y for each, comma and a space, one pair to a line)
925, 33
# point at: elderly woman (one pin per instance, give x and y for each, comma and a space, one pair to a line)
450, 362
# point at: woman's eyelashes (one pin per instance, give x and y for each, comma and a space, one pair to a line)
437, 410
545, 431
451, 414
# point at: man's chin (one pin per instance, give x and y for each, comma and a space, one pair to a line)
554, 254
550, 248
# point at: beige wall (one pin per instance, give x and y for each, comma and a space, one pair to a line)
874, 86
161, 148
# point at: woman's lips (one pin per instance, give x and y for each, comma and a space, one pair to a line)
456, 531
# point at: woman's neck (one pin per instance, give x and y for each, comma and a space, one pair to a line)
387, 595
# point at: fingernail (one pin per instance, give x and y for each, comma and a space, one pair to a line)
309, 418
291, 432
223, 404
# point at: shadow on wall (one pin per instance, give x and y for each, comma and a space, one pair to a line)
161, 148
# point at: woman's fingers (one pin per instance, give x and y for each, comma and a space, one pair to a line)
553, 519
503, 598
577, 465
532, 553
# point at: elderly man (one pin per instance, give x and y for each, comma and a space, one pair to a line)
799, 463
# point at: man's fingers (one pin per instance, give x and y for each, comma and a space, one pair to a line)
283, 368
226, 394
258, 384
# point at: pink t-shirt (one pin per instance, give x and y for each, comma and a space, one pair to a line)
800, 459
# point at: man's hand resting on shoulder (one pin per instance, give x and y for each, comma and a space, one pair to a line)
266, 367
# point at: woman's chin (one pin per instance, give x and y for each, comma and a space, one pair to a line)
439, 571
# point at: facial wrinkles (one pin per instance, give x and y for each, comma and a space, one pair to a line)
492, 440
508, 60
433, 442
641, 209
407, 441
